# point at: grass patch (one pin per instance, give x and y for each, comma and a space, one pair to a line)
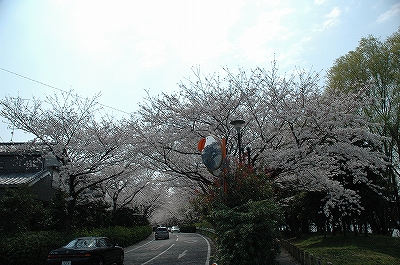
352, 250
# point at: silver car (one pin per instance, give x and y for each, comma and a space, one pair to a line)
161, 232
175, 229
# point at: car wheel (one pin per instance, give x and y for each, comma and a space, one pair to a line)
121, 260
100, 261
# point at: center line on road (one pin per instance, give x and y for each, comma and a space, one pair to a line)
139, 246
150, 260
156, 247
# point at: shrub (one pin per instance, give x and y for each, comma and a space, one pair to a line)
129, 217
92, 214
33, 247
188, 228
23, 211
247, 234
124, 236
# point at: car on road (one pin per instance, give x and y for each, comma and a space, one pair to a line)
175, 229
161, 232
87, 250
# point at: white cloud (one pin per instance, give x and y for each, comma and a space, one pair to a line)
153, 52
335, 13
195, 31
208, 26
331, 21
392, 12
292, 55
319, 2
269, 27
297, 48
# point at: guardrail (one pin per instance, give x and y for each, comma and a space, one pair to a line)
302, 256
211, 230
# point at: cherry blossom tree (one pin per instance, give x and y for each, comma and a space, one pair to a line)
142, 190
91, 148
124, 189
312, 141
308, 140
327, 147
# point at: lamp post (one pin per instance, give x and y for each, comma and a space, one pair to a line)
239, 124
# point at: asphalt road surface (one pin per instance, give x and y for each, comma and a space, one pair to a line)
180, 248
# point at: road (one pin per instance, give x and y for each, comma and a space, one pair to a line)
180, 248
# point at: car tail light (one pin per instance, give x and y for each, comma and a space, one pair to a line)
82, 255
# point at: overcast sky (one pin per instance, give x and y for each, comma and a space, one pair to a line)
123, 48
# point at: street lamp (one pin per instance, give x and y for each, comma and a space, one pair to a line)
239, 124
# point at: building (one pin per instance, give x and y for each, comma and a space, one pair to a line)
20, 165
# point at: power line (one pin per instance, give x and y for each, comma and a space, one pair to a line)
53, 87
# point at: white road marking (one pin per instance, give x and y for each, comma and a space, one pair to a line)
182, 254
190, 241
150, 260
208, 250
156, 247
139, 246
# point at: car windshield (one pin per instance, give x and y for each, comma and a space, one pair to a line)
82, 243
163, 229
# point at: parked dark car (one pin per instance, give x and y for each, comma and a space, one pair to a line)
87, 250
161, 232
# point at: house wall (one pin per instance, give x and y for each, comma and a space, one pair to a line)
12, 163
43, 188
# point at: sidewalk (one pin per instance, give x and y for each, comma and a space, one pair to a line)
284, 258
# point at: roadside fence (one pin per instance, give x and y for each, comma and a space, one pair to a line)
210, 230
302, 256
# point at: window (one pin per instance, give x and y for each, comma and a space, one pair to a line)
109, 243
103, 243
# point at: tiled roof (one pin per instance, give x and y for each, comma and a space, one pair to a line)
18, 178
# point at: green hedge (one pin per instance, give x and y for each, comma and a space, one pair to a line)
188, 228
33, 247
247, 234
124, 236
